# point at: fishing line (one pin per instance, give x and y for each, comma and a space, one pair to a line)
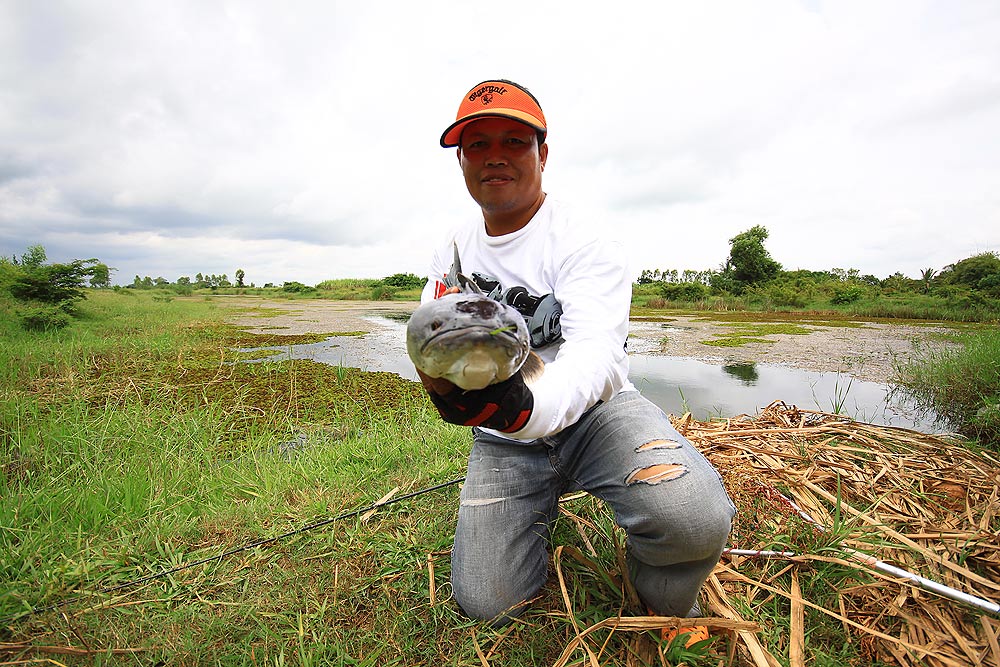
236, 550
924, 583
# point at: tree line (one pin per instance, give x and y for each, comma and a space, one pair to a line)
47, 294
749, 272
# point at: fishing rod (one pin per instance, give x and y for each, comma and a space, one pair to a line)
923, 582
874, 563
246, 547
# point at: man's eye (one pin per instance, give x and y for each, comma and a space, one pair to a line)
475, 145
515, 140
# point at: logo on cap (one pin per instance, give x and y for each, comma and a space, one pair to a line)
486, 92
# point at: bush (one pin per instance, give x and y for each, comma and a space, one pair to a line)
51, 283
404, 280
683, 291
785, 295
843, 294
382, 293
45, 317
294, 286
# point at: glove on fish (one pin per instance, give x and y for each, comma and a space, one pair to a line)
505, 406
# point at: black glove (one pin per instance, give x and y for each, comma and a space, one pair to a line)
505, 406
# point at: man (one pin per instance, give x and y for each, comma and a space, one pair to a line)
582, 425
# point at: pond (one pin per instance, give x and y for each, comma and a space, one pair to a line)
676, 384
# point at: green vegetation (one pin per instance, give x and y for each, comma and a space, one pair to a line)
130, 444
962, 385
398, 286
741, 333
750, 280
46, 295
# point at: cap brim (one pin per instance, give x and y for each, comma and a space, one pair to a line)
453, 134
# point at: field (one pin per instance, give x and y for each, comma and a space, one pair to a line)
133, 447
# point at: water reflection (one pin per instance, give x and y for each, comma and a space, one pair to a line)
746, 373
679, 385
676, 384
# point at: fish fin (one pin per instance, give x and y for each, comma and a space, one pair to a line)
454, 276
469, 285
532, 368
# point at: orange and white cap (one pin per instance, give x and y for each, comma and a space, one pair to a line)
495, 98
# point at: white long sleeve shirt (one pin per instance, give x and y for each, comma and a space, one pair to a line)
557, 253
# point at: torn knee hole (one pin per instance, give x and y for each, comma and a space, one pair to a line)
658, 444
655, 474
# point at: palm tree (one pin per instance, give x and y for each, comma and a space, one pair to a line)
927, 275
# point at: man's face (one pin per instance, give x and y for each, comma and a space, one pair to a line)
502, 164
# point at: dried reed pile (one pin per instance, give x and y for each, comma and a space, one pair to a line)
916, 501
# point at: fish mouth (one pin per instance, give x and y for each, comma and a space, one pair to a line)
472, 335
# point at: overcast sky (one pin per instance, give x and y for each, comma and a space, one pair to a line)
299, 140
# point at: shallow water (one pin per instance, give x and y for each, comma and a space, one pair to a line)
676, 384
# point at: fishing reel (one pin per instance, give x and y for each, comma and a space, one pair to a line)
541, 314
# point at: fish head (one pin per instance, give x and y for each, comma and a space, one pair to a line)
467, 338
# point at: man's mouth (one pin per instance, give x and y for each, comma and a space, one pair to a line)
496, 180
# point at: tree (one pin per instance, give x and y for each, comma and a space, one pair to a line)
100, 275
59, 284
927, 275
749, 261
239, 277
34, 257
973, 271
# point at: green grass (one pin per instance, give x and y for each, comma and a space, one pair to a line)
129, 445
962, 385
741, 333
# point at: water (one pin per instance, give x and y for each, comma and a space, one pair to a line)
679, 384
676, 384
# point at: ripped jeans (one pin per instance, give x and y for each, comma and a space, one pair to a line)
664, 493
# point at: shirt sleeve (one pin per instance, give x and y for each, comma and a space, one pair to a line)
435, 279
595, 291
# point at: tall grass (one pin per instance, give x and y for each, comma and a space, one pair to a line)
962, 385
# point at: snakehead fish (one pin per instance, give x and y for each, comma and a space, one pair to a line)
468, 338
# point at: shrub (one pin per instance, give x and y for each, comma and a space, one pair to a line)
404, 280
382, 293
45, 317
51, 283
683, 291
850, 293
785, 295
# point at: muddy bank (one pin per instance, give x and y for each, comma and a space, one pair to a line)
866, 352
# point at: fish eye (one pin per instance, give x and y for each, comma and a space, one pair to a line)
436, 324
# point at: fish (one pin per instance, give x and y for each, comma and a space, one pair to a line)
470, 339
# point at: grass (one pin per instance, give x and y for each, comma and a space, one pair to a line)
741, 333
962, 385
129, 445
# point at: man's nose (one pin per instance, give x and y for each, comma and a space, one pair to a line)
496, 159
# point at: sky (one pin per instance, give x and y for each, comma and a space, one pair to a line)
298, 140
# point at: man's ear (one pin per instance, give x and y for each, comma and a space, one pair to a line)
543, 154
458, 154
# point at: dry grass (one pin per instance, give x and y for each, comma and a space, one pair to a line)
923, 503
920, 502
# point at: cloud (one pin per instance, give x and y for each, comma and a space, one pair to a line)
173, 138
